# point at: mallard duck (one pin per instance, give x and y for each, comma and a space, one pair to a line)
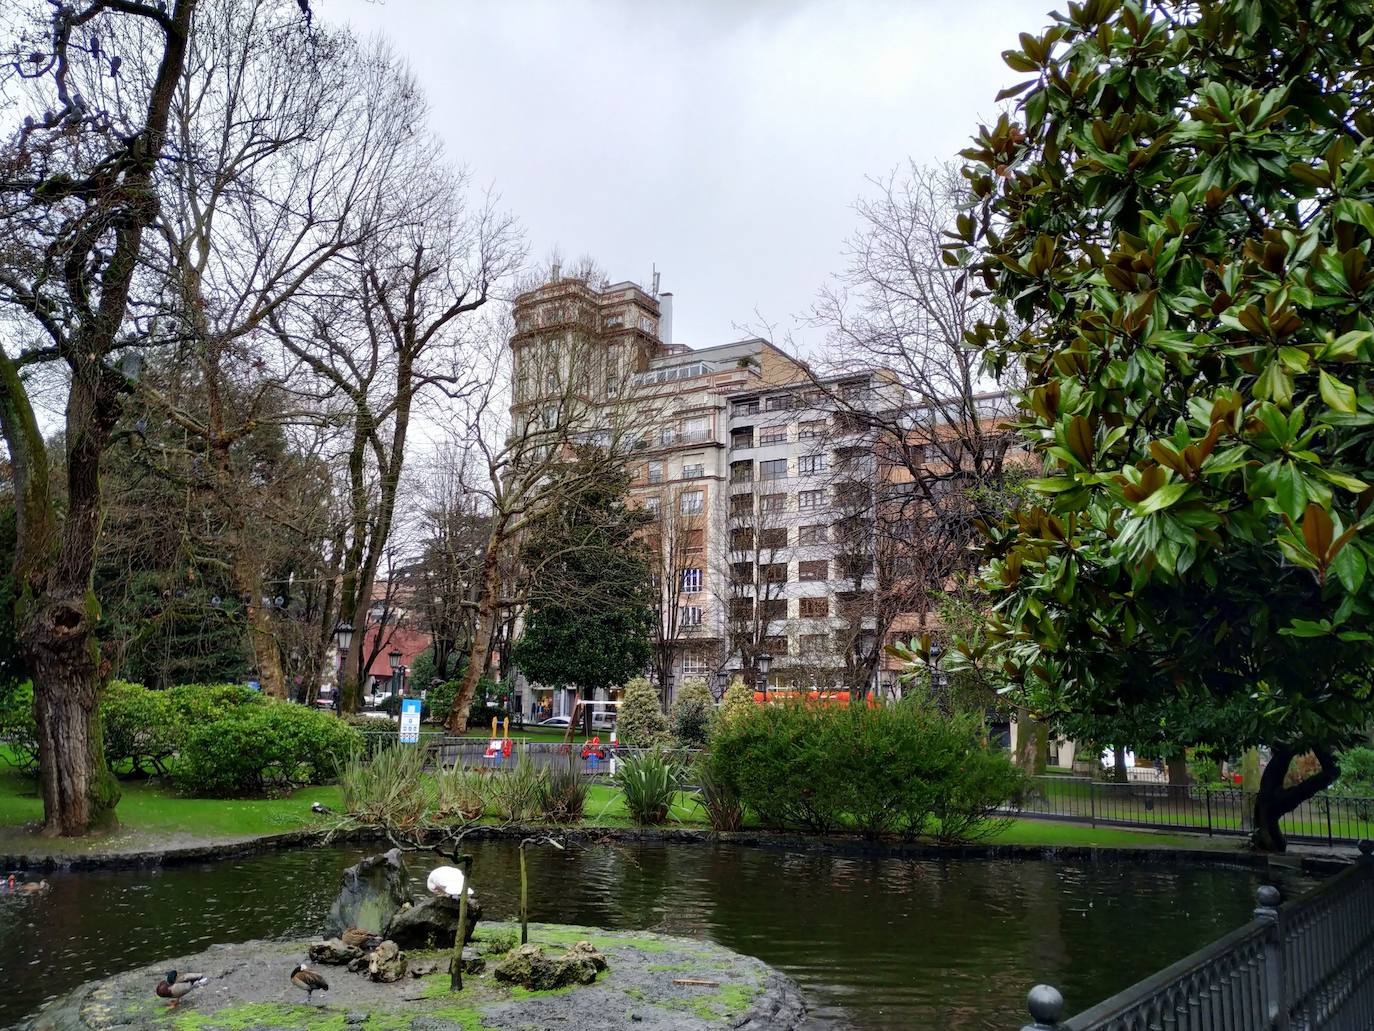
177, 987
360, 939
33, 887
308, 981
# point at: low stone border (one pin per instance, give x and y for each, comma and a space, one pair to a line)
840, 844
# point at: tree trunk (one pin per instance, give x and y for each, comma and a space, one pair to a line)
1177, 767
1273, 801
1027, 742
488, 594
1119, 771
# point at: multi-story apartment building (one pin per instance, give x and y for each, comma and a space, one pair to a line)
765, 493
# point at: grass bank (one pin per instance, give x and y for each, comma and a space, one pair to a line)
153, 817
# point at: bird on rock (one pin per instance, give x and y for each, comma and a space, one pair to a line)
447, 880
33, 887
360, 939
177, 987
308, 981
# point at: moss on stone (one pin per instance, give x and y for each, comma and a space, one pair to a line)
259, 1014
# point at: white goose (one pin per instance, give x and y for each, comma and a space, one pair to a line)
447, 880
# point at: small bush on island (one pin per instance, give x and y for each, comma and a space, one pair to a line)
640, 722
718, 798
906, 769
563, 794
516, 794
254, 749
692, 713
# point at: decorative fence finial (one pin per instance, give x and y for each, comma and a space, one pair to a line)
1046, 1008
1366, 848
1269, 898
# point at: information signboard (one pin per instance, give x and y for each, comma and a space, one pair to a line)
410, 720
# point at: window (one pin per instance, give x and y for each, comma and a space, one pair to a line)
778, 403
743, 437
813, 534
652, 505
818, 569
813, 608
775, 609
810, 430
742, 539
774, 470
696, 540
773, 435
853, 390
775, 646
741, 608
646, 323
811, 499
655, 472
852, 567
742, 573
809, 465
691, 581
773, 503
695, 471
853, 495
742, 472
693, 663
773, 537
614, 321
748, 407
773, 572
742, 505
667, 435
696, 427
689, 615
691, 502
854, 604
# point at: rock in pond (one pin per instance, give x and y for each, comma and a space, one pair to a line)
373, 892
432, 924
387, 963
530, 967
651, 983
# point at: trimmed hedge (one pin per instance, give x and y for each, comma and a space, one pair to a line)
692, 713
254, 749
640, 723
905, 769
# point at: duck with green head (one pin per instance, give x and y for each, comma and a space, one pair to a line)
177, 986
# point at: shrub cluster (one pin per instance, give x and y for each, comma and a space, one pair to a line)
146, 728
649, 781
640, 723
18, 731
905, 769
692, 713
258, 748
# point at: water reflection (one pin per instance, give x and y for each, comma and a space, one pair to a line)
874, 943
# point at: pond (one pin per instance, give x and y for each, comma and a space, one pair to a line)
875, 943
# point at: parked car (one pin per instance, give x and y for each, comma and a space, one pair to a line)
561, 722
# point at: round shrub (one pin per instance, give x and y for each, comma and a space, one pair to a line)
140, 727
440, 698
254, 749
738, 698
692, 713
640, 722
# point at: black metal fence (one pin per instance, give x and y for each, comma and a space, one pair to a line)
1330, 818
471, 753
1302, 966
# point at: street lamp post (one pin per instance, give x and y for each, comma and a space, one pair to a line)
343, 637
395, 658
763, 661
723, 683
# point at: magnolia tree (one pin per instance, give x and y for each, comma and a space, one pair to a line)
1179, 219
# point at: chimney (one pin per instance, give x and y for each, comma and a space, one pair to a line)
555, 273
665, 319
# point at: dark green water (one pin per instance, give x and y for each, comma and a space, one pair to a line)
874, 943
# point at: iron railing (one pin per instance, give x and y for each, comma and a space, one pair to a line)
471, 752
1325, 817
1307, 965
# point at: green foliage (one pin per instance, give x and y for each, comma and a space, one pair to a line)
649, 781
139, 727
388, 790
717, 797
590, 614
461, 795
692, 713
1357, 773
563, 794
1178, 231
439, 699
516, 794
640, 722
17, 727
257, 748
907, 769
738, 699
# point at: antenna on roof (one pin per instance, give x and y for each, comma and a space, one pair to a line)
655, 290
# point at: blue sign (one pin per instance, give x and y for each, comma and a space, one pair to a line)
410, 720
254, 685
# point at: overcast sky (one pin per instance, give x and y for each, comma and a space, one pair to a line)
722, 141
